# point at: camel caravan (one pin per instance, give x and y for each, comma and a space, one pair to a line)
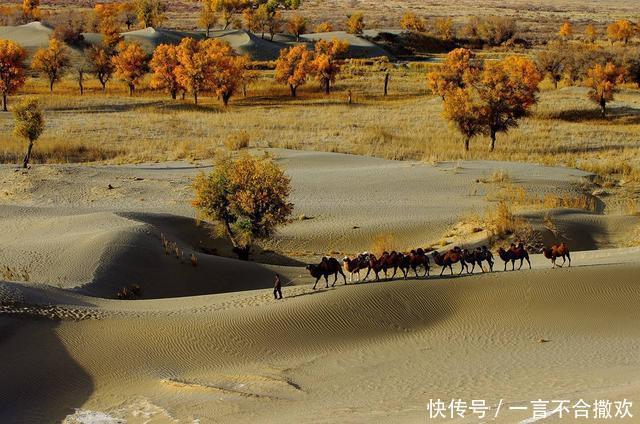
419, 259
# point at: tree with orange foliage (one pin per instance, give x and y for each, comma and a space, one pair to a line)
508, 89
621, 30
31, 10
355, 23
101, 64
194, 66
452, 72
228, 10
464, 108
293, 66
163, 67
247, 198
130, 64
297, 25
11, 69
108, 25
325, 65
323, 27
444, 28
228, 70
602, 82
208, 16
412, 22
591, 33
52, 61
566, 31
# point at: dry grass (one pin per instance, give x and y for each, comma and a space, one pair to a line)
565, 128
384, 242
237, 141
517, 196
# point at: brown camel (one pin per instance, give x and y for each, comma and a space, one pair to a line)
418, 258
513, 254
355, 265
326, 267
448, 259
556, 251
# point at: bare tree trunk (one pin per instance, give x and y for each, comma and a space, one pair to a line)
386, 83
132, 88
195, 96
293, 89
244, 89
466, 144
27, 157
51, 86
493, 140
80, 82
603, 107
4, 101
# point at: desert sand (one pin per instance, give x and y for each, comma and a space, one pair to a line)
209, 344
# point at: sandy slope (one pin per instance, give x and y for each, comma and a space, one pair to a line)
209, 343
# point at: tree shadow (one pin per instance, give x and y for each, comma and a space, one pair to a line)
615, 115
42, 382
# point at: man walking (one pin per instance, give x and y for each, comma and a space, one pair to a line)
277, 288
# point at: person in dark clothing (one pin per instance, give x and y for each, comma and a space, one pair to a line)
277, 288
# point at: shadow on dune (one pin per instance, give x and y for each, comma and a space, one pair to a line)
139, 257
40, 381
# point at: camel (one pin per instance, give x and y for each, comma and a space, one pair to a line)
470, 258
513, 254
448, 259
374, 264
390, 260
417, 258
355, 265
484, 254
556, 251
326, 267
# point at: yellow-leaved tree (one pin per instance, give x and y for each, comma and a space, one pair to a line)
412, 22
163, 67
566, 31
246, 197
355, 23
29, 124
452, 72
621, 30
603, 82
297, 25
130, 64
52, 61
12, 77
325, 65
293, 67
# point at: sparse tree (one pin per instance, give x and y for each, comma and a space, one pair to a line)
566, 31
208, 16
246, 197
508, 89
106, 15
293, 66
551, 62
464, 108
228, 10
325, 65
444, 28
52, 61
355, 23
29, 124
81, 67
70, 30
273, 19
130, 64
603, 82
323, 27
101, 64
12, 77
495, 30
31, 10
412, 22
129, 14
621, 30
150, 13
163, 67
297, 25
591, 33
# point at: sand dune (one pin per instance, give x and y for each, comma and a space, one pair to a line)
208, 343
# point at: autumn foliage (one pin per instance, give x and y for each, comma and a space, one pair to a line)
603, 82
11, 69
621, 30
412, 22
130, 64
163, 67
485, 98
52, 61
247, 197
355, 23
325, 65
29, 124
293, 67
